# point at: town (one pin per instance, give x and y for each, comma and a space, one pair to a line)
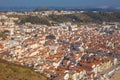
63, 51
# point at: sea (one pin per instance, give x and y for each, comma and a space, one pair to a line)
17, 9
29, 9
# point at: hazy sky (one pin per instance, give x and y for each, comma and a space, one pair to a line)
60, 3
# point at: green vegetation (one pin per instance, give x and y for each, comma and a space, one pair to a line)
42, 9
3, 36
87, 17
10, 71
77, 18
104, 16
51, 36
35, 20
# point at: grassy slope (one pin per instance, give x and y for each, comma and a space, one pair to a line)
10, 71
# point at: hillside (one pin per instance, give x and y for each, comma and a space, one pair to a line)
78, 18
10, 71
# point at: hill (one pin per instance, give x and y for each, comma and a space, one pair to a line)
78, 18
10, 71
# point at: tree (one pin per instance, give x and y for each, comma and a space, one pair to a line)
50, 36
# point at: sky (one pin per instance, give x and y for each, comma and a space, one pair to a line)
60, 3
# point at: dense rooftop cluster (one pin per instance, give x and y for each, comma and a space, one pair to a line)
62, 52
